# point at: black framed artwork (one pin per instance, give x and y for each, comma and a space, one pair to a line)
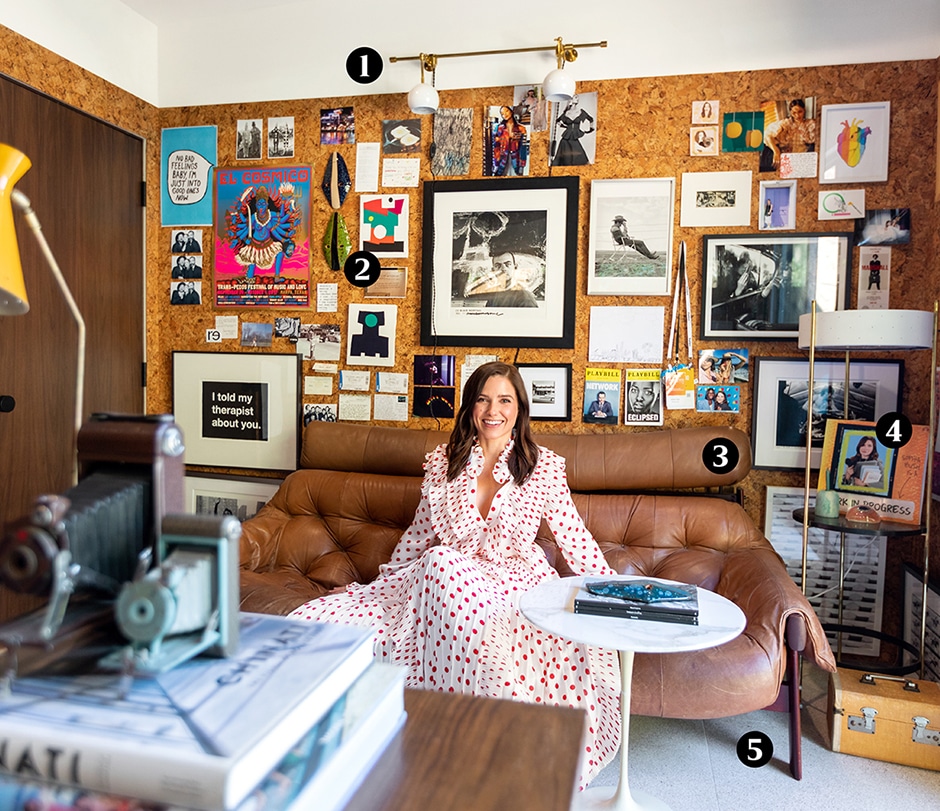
757, 287
500, 262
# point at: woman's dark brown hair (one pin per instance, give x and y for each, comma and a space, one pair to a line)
525, 452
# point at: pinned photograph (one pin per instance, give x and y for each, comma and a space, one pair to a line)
248, 139
777, 205
505, 143
723, 366
705, 112
186, 292
718, 398
337, 126
574, 131
401, 136
703, 141
884, 226
789, 126
281, 137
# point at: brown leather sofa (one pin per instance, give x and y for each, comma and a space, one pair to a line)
338, 517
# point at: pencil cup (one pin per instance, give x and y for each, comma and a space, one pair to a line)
827, 504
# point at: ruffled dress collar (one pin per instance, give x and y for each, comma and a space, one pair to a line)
500, 470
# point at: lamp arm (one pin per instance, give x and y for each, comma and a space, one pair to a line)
21, 201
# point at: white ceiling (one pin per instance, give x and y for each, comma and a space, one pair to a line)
219, 51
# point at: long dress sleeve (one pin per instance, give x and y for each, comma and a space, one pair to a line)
420, 535
574, 540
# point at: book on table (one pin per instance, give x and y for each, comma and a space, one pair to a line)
322, 770
684, 609
202, 735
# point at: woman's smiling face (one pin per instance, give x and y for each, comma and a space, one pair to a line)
496, 410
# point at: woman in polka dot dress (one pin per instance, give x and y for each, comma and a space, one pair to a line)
446, 604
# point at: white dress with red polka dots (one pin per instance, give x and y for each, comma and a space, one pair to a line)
446, 604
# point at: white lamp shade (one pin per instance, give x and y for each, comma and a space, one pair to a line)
423, 99
869, 329
558, 86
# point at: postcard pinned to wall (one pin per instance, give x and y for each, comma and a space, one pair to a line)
841, 204
874, 277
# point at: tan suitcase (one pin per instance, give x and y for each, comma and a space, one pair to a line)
885, 718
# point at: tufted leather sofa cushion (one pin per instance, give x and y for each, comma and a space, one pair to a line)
337, 521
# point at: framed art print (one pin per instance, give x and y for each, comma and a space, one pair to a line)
777, 205
630, 250
780, 395
759, 286
499, 262
854, 142
238, 409
241, 496
715, 198
549, 388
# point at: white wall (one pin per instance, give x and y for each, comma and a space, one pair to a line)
103, 36
223, 51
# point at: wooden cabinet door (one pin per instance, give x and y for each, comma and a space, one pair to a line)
85, 186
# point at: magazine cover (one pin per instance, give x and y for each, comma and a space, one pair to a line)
644, 401
602, 396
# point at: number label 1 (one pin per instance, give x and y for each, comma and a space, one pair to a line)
364, 65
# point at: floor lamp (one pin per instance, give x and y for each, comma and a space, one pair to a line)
13, 165
872, 330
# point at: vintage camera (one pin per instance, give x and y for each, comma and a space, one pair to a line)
185, 605
91, 537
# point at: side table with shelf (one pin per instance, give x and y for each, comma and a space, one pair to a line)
888, 529
873, 330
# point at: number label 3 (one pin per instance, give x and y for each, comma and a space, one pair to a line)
720, 456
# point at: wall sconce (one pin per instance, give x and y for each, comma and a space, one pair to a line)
423, 98
557, 85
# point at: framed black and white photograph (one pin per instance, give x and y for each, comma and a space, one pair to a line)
854, 140
630, 251
549, 389
715, 198
238, 409
500, 262
781, 392
758, 286
240, 496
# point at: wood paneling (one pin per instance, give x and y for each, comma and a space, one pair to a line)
85, 187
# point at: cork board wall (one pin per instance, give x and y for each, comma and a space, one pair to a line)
643, 132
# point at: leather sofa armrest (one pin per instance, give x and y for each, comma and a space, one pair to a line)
777, 611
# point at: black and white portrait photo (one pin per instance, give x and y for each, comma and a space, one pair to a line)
499, 259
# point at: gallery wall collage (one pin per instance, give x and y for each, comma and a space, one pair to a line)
643, 253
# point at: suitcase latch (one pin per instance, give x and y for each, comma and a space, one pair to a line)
864, 722
921, 734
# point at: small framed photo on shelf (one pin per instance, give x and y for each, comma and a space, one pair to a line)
854, 140
779, 405
241, 496
549, 389
757, 287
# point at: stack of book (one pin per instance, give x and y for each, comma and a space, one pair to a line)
301, 710
683, 608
